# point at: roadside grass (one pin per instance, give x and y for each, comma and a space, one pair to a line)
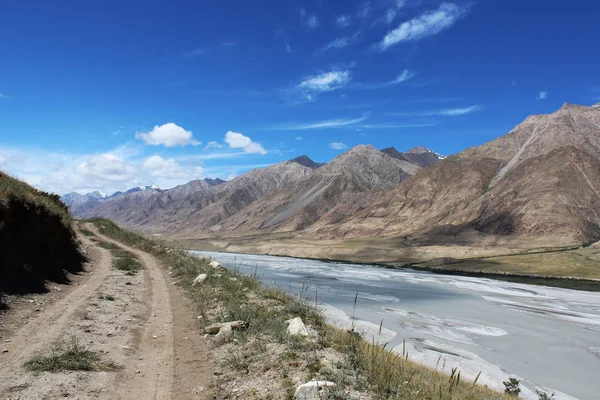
123, 260
87, 232
129, 264
73, 357
264, 346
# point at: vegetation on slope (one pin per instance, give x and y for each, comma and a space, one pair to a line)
264, 351
37, 243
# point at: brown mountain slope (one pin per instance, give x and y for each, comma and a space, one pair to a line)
542, 179
199, 204
351, 177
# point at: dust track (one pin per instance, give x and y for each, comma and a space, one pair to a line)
151, 375
41, 331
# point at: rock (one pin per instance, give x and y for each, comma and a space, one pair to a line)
310, 390
224, 334
216, 328
199, 279
216, 264
296, 327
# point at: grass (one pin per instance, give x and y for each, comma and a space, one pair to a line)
13, 188
87, 232
128, 264
123, 259
366, 367
74, 357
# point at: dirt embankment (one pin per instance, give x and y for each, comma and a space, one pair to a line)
37, 245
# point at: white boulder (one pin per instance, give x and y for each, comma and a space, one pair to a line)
199, 279
310, 390
297, 327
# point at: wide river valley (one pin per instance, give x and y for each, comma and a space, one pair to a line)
549, 338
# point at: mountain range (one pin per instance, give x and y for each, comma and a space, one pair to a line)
540, 181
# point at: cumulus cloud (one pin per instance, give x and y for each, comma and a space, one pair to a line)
107, 167
338, 146
425, 25
117, 169
169, 168
326, 81
238, 141
343, 21
542, 95
168, 135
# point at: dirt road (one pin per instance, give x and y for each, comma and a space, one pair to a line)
129, 320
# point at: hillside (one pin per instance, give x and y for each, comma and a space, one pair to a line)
540, 180
37, 243
349, 178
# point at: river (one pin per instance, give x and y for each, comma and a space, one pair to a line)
549, 338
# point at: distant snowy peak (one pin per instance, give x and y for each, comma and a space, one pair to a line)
96, 194
420, 155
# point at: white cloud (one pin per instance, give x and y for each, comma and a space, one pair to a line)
425, 25
513, 82
213, 145
326, 81
402, 77
117, 169
341, 42
332, 123
168, 135
238, 141
3, 160
311, 22
288, 48
542, 95
296, 138
395, 126
163, 168
106, 167
343, 21
448, 112
338, 146
3, 96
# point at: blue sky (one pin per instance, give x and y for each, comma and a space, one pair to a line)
111, 94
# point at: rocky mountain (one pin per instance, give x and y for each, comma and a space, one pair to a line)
350, 177
75, 199
200, 204
540, 180
420, 155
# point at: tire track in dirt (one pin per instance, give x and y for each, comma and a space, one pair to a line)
43, 330
151, 376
